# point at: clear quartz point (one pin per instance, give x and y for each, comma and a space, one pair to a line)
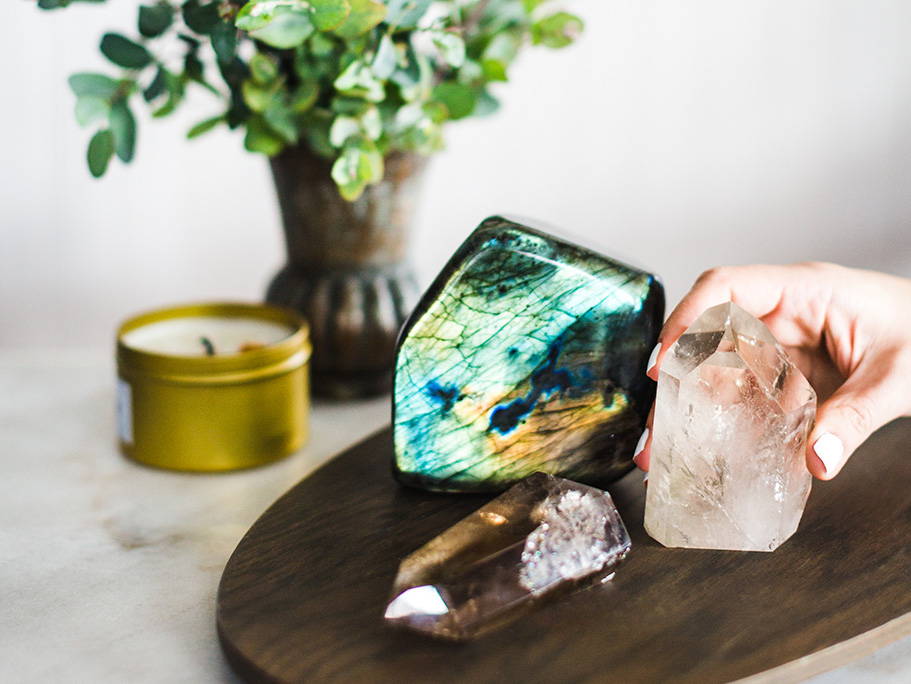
732, 415
544, 535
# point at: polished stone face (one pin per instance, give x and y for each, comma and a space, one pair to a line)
732, 417
542, 537
527, 354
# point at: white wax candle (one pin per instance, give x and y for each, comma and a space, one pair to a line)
184, 336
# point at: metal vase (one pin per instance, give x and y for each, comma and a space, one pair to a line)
347, 271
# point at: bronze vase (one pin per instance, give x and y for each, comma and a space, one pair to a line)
347, 271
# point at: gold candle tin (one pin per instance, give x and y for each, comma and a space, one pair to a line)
221, 412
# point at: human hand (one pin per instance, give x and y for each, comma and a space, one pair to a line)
849, 332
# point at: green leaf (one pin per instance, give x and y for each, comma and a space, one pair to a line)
205, 126
408, 116
191, 42
174, 84
261, 138
279, 23
451, 47
487, 104
257, 97
200, 18
234, 72
224, 41
329, 14
343, 127
415, 79
194, 70
238, 112
405, 14
470, 73
359, 164
123, 126
372, 123
288, 28
321, 45
386, 59
349, 106
459, 99
124, 52
259, 13
556, 31
156, 86
345, 173
531, 5
494, 70
315, 125
281, 120
90, 109
193, 67
304, 97
364, 15
263, 69
97, 85
155, 19
58, 4
101, 149
436, 112
417, 127
503, 48
371, 167
359, 80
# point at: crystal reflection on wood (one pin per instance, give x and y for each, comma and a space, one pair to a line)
732, 417
543, 535
527, 354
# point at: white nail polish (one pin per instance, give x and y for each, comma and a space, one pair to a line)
653, 358
830, 450
640, 445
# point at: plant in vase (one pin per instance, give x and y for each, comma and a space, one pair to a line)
347, 98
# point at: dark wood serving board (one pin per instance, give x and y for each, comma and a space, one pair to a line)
302, 597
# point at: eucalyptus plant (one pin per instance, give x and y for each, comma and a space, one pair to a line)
352, 79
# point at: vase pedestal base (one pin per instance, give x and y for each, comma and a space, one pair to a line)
354, 314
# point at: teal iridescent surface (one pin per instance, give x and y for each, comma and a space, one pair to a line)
526, 354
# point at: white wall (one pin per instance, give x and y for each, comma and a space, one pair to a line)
679, 134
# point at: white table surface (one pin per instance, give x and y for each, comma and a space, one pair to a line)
108, 570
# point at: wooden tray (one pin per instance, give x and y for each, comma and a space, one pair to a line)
302, 597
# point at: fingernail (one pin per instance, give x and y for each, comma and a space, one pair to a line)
830, 450
640, 445
653, 358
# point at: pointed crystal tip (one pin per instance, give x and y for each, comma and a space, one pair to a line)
417, 601
543, 536
732, 418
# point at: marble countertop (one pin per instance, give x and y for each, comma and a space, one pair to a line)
108, 570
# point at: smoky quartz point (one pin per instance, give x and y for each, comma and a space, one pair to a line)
732, 417
527, 354
543, 536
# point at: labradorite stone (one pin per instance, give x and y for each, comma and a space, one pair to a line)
526, 354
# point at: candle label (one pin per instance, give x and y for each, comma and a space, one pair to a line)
124, 411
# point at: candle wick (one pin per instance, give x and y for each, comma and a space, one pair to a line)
207, 344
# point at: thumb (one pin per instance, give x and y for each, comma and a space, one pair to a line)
868, 400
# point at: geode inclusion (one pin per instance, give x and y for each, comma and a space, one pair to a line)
543, 536
732, 416
526, 354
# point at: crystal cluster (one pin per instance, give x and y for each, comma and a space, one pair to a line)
527, 354
543, 535
732, 417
